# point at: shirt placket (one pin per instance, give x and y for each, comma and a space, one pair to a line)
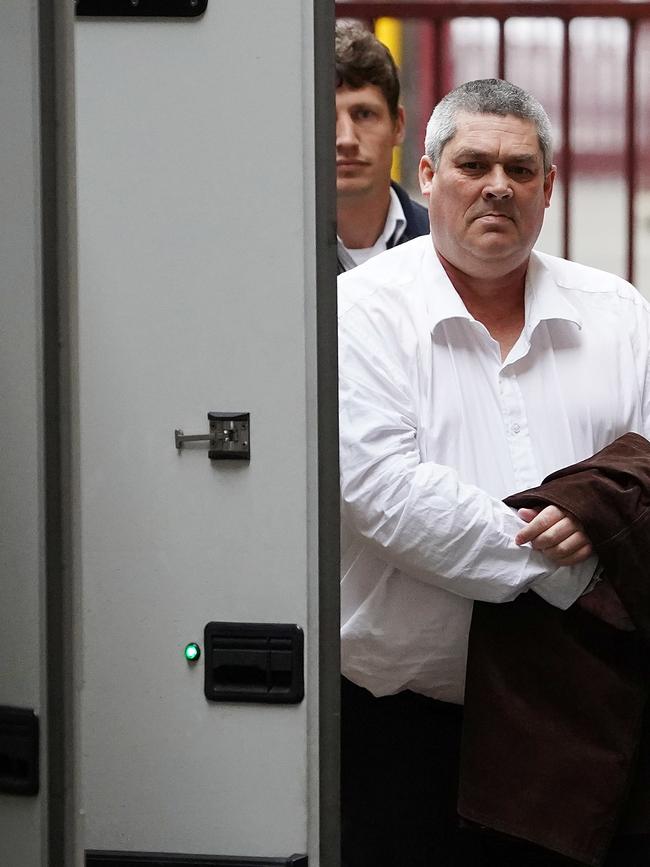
515, 421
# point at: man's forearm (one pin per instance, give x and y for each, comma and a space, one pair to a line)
423, 520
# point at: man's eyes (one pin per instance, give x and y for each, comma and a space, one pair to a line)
364, 114
514, 170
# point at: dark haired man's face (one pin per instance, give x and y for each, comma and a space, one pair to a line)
366, 134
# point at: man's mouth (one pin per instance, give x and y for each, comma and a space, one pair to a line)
494, 215
344, 163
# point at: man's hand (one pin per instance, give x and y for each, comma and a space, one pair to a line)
556, 533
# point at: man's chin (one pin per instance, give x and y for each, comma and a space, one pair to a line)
485, 260
351, 188
495, 245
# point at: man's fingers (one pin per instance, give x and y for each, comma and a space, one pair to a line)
573, 551
579, 556
539, 524
527, 515
563, 531
558, 535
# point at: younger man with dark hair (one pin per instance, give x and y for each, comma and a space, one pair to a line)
373, 213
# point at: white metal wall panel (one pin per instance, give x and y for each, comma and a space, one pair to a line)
197, 287
22, 819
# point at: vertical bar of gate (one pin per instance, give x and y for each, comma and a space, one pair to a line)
567, 155
631, 156
438, 61
502, 48
426, 73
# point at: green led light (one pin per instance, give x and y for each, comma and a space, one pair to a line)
192, 652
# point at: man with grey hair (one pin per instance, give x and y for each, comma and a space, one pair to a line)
486, 97
471, 367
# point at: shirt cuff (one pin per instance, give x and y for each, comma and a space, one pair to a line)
562, 587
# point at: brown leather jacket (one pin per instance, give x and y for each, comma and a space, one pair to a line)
554, 747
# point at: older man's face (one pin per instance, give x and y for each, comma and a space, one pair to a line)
487, 197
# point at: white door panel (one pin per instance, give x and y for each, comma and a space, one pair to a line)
197, 293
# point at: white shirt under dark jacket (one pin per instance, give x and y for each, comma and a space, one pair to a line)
393, 230
436, 430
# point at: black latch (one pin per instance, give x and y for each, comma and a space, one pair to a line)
141, 8
96, 857
258, 662
229, 438
18, 751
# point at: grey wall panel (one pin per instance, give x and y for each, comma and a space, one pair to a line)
21, 493
197, 293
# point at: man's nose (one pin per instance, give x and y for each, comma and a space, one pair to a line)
497, 184
346, 134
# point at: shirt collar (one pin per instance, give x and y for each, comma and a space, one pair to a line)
394, 228
544, 299
443, 300
395, 224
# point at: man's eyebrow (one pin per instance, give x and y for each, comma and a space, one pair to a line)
466, 153
365, 102
523, 158
470, 154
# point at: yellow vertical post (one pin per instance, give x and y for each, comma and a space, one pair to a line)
389, 31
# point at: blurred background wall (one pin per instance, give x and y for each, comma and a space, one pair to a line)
591, 73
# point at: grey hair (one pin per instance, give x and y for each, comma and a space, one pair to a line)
486, 96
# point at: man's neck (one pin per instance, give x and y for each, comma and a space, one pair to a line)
496, 301
361, 220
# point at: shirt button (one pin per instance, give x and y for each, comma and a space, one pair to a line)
516, 428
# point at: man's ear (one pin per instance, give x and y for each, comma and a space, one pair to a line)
425, 174
549, 180
400, 126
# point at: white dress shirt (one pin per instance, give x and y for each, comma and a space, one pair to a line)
393, 230
436, 430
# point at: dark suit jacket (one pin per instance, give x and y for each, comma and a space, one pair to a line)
554, 747
417, 219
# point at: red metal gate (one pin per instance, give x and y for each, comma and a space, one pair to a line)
590, 70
